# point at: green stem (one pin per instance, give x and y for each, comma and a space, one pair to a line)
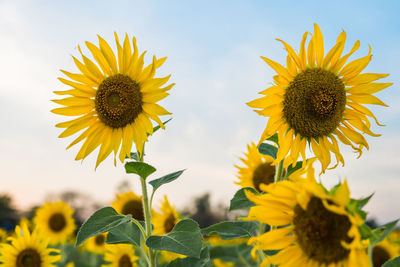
140, 226
370, 253
147, 213
279, 171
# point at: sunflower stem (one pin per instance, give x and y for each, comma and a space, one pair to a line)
370, 254
278, 172
147, 212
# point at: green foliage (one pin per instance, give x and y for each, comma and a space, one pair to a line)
392, 263
140, 168
165, 179
203, 261
185, 238
235, 253
240, 201
274, 139
267, 149
381, 232
231, 230
291, 169
155, 129
103, 220
127, 233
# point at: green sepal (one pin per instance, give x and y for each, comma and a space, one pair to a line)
392, 263
381, 232
231, 230
240, 201
156, 128
185, 238
140, 168
127, 233
291, 169
203, 261
165, 179
102, 220
269, 150
134, 156
274, 139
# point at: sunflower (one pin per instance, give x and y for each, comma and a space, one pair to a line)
129, 203
318, 100
221, 263
164, 222
314, 227
3, 235
114, 101
121, 255
97, 243
28, 250
55, 221
382, 252
258, 169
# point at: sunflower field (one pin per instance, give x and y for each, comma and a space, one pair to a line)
284, 215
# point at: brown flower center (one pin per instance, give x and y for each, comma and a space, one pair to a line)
57, 222
29, 258
99, 240
169, 223
320, 232
135, 208
263, 174
379, 256
118, 101
314, 103
125, 261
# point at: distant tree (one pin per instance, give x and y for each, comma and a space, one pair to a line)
203, 213
9, 216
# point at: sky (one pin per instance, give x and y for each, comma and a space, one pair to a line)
213, 50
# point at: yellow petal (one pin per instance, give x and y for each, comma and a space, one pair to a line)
74, 101
82, 124
342, 40
73, 111
368, 88
366, 99
353, 135
291, 67
78, 86
137, 69
278, 68
340, 62
342, 194
311, 52
266, 101
108, 54
364, 110
99, 57
91, 143
91, 67
106, 147
319, 44
85, 71
271, 217
154, 97
85, 133
273, 90
80, 78
155, 109
365, 78
355, 67
331, 54
66, 124
291, 53
302, 53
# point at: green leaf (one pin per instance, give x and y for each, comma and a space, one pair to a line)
274, 139
103, 220
127, 233
365, 231
363, 201
240, 201
267, 149
383, 231
185, 238
165, 179
155, 129
231, 230
392, 263
203, 261
296, 167
140, 168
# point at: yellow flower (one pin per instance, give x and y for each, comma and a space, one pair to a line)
28, 250
121, 255
221, 263
258, 169
314, 227
114, 100
164, 222
216, 240
3, 235
55, 221
318, 100
383, 251
129, 203
70, 264
97, 243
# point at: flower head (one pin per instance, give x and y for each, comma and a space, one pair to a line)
114, 98
318, 99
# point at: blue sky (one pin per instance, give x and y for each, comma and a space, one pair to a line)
213, 51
